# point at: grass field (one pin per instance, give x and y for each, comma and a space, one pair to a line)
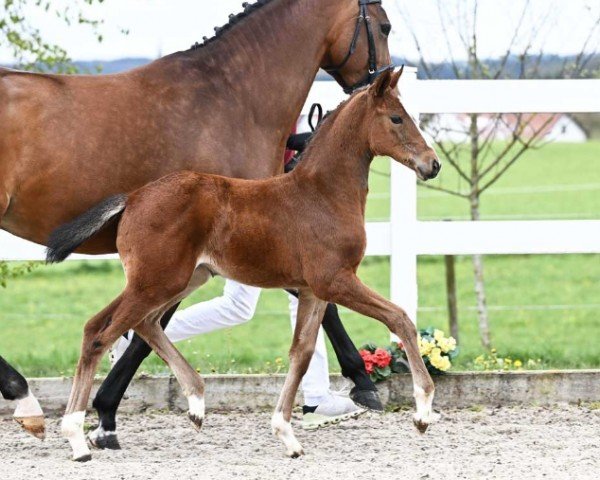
542, 307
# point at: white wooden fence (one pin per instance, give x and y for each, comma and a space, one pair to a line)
405, 237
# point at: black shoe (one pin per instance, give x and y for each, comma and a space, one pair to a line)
368, 399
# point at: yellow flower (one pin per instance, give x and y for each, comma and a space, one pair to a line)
425, 347
447, 344
438, 335
438, 361
518, 364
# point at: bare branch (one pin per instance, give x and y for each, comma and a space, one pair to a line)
442, 189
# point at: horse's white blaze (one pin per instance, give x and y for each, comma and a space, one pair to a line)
424, 402
283, 430
28, 407
72, 430
196, 406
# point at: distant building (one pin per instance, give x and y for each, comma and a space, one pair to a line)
550, 127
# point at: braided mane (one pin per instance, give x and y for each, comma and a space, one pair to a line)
249, 8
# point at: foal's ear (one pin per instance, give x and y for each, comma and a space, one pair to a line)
396, 78
381, 83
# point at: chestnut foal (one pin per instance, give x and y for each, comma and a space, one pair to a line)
304, 230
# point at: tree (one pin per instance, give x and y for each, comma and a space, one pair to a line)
26, 43
32, 52
479, 160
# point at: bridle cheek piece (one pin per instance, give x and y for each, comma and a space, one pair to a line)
373, 71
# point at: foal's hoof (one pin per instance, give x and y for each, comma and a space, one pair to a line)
296, 453
196, 420
84, 458
103, 440
421, 425
368, 399
36, 425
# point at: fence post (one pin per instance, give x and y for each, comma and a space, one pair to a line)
451, 295
403, 220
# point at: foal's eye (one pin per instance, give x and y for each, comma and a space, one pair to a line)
396, 119
386, 28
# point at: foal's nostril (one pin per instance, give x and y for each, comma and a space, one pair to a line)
436, 166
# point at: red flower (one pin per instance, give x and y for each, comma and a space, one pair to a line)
382, 358
368, 359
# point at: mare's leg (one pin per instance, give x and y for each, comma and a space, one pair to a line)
310, 314
13, 385
28, 413
364, 392
346, 289
190, 381
113, 388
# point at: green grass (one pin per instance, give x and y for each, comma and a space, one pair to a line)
42, 314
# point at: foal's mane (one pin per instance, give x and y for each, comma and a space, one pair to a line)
328, 122
234, 19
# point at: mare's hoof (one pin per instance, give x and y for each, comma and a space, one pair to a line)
104, 440
84, 458
196, 420
36, 425
368, 399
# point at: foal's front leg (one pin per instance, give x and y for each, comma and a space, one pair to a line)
347, 290
310, 314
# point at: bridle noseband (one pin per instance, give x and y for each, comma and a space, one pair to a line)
373, 72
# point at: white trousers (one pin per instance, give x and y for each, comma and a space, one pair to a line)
236, 306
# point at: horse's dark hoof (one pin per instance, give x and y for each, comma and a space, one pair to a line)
368, 399
104, 440
196, 420
421, 426
84, 458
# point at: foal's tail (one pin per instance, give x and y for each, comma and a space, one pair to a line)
65, 239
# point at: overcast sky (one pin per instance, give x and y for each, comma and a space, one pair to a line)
163, 26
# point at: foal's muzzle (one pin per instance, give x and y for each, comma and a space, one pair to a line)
428, 168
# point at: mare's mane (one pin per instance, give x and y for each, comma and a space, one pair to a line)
234, 19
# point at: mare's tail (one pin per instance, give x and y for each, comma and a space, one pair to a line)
65, 239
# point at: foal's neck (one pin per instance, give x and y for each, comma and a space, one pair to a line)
338, 158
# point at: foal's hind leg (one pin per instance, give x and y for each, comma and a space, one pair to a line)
28, 413
190, 381
113, 389
310, 314
347, 290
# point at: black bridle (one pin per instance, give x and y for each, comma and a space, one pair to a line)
373, 72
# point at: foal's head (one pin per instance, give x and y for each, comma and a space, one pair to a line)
393, 132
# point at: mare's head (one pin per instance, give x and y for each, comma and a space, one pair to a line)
358, 43
393, 132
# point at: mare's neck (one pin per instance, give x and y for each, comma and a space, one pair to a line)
265, 65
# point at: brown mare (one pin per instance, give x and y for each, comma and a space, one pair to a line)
177, 232
67, 142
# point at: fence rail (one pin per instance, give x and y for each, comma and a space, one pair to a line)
405, 237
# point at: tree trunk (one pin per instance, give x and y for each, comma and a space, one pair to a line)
482, 311
451, 295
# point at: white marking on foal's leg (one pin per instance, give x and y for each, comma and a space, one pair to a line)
284, 431
72, 430
196, 410
425, 415
30, 416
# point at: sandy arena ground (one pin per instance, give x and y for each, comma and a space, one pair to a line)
508, 443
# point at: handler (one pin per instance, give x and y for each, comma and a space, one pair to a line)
322, 407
